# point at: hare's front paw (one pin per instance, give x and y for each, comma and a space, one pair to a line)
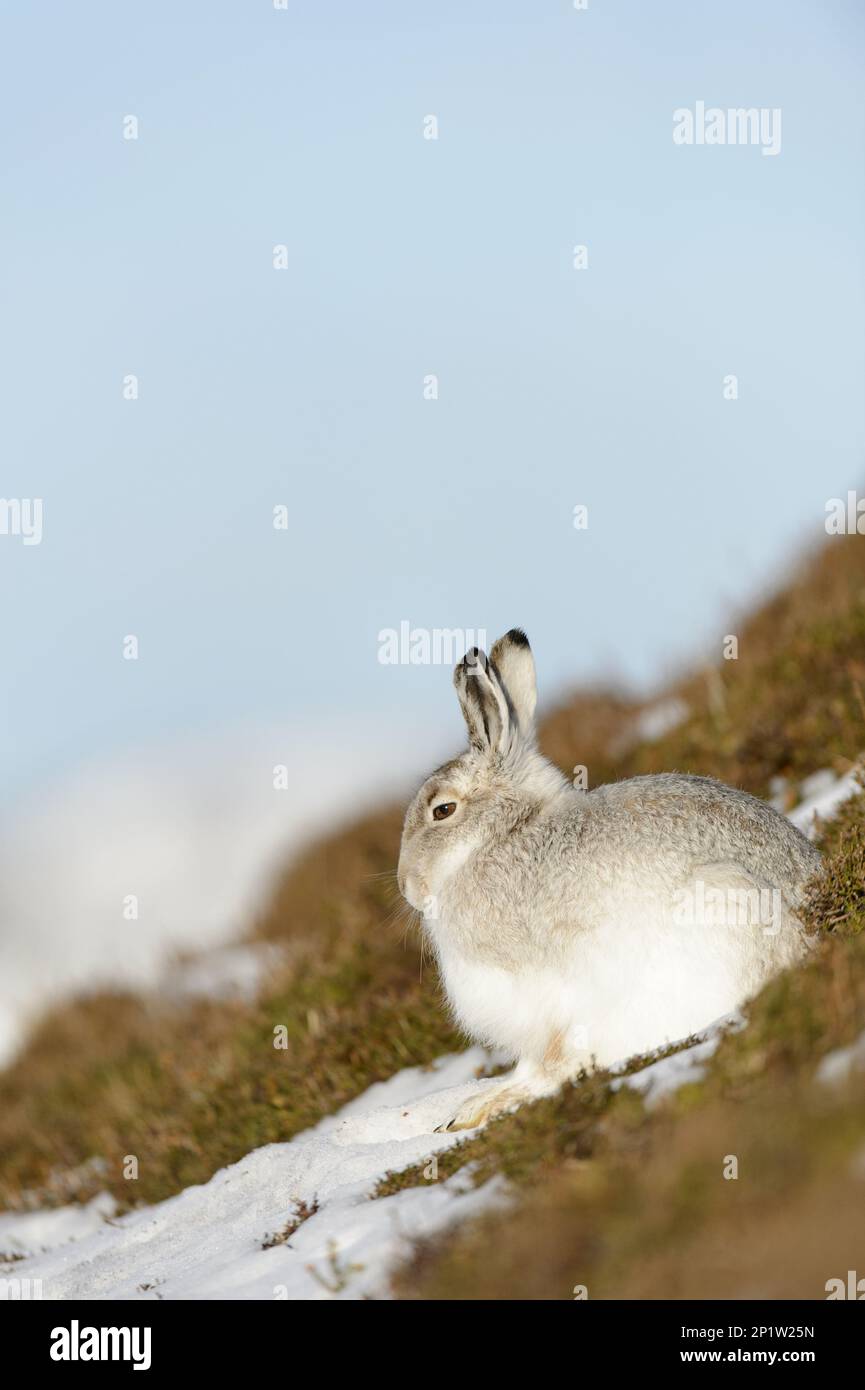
480, 1109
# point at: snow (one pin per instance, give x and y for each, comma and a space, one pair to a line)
665, 1076
837, 1066
207, 1242
661, 719
232, 972
651, 724
41, 1230
822, 793
662, 1078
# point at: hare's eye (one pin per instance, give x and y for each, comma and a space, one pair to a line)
445, 809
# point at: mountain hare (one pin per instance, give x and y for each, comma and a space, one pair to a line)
574, 927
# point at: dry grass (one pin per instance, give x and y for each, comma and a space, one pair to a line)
302, 1212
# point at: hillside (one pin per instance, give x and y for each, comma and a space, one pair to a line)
608, 1191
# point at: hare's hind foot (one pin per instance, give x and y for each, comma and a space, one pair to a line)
480, 1109
526, 1082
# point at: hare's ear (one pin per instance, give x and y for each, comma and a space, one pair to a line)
512, 658
484, 703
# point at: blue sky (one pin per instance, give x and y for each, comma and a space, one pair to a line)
407, 257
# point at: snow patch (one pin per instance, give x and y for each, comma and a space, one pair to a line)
45, 1230
662, 1078
229, 973
651, 724
822, 794
836, 1067
207, 1242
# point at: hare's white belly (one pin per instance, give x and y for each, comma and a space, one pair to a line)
628, 986
520, 1012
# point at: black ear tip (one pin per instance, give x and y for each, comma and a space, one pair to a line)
518, 637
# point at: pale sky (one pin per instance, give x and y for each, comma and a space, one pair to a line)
407, 257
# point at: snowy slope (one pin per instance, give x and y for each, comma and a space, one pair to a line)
207, 1241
